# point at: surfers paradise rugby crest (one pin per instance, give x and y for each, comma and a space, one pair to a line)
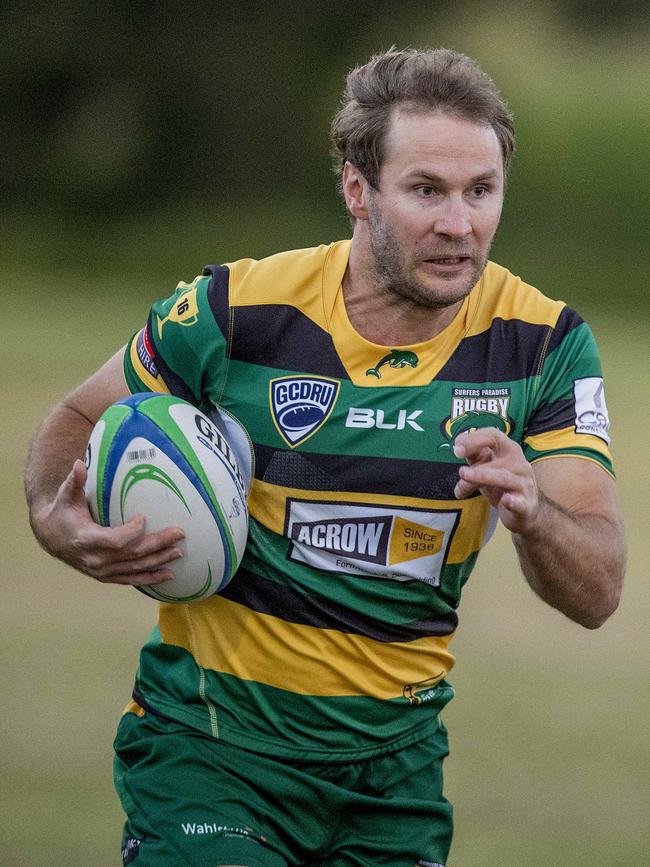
333, 637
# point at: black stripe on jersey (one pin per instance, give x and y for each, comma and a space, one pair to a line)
510, 349
172, 380
552, 416
268, 597
280, 336
567, 321
218, 297
429, 480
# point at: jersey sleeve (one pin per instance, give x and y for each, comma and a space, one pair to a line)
569, 415
182, 350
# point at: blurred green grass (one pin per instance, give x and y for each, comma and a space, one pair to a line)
549, 762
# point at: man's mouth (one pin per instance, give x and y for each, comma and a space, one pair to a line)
448, 260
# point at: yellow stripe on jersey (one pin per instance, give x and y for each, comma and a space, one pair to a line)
153, 383
295, 278
311, 281
502, 295
577, 457
567, 438
227, 637
267, 505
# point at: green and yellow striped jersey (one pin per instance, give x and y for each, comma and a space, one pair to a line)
333, 638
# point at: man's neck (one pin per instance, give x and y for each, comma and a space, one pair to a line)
385, 317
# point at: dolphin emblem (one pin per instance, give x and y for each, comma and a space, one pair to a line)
395, 358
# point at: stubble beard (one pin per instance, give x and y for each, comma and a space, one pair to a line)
394, 276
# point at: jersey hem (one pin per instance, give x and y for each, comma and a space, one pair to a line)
278, 748
577, 455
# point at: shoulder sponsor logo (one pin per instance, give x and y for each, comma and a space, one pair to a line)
590, 408
185, 310
395, 358
359, 416
300, 405
145, 353
386, 542
473, 408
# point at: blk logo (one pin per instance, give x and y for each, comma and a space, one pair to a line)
363, 417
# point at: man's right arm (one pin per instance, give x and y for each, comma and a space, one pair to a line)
54, 485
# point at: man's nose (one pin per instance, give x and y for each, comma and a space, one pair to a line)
453, 218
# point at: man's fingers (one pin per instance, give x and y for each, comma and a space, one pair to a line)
124, 554
118, 539
79, 474
130, 540
149, 564
142, 579
481, 444
72, 489
489, 476
464, 489
150, 543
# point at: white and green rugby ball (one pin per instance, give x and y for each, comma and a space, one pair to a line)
158, 456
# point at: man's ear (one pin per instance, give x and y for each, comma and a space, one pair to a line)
355, 191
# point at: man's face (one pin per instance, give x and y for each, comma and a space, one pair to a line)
432, 221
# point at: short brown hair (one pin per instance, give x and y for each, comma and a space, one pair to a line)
435, 79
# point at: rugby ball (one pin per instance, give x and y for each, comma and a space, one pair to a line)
158, 456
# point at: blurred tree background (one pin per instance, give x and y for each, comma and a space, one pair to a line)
141, 140
150, 137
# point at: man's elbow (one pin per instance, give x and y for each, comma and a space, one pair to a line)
606, 603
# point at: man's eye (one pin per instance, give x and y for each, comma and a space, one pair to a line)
427, 191
479, 191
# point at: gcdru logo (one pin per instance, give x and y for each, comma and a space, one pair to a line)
395, 358
300, 405
473, 408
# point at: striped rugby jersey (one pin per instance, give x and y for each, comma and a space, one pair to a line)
332, 640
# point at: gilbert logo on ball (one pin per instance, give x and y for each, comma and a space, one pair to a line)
158, 456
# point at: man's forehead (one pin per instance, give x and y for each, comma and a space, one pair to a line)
419, 135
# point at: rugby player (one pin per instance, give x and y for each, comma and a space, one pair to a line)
402, 393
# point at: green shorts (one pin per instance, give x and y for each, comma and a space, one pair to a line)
194, 800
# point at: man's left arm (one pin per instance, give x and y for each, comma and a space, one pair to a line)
564, 518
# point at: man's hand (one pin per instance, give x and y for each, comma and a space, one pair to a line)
112, 555
57, 504
564, 518
498, 469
